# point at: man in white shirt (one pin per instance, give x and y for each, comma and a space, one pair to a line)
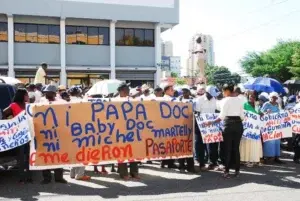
169, 95
41, 75
205, 104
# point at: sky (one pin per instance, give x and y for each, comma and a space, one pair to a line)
237, 27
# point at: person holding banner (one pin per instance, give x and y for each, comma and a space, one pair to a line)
124, 90
77, 173
271, 149
251, 150
168, 96
232, 113
186, 98
16, 107
206, 104
50, 95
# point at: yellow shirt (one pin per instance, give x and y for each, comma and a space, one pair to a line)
40, 76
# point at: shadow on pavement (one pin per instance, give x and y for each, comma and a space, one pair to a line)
155, 181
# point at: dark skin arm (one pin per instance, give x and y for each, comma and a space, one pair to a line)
7, 112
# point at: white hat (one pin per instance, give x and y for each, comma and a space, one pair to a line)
144, 87
213, 91
273, 94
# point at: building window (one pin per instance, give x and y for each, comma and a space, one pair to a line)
87, 35
93, 36
71, 35
139, 37
37, 33
31, 33
3, 32
103, 36
135, 37
149, 37
120, 36
54, 34
43, 34
81, 33
20, 33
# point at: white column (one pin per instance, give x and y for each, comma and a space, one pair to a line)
112, 37
63, 74
10, 32
157, 54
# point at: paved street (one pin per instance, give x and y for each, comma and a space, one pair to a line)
259, 184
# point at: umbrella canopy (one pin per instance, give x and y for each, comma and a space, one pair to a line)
292, 82
10, 80
104, 87
264, 84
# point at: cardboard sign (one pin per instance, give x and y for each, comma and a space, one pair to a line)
212, 133
276, 126
14, 132
295, 119
91, 133
252, 126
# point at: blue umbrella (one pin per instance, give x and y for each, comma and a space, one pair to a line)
264, 84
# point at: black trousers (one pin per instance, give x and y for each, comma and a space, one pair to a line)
23, 162
213, 153
58, 174
233, 130
189, 164
296, 146
169, 163
200, 147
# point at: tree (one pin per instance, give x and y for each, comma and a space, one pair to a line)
295, 68
174, 74
275, 62
180, 81
219, 75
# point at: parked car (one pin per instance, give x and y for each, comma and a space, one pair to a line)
7, 92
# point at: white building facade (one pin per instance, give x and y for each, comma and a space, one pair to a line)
83, 41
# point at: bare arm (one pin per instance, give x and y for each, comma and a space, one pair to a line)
7, 112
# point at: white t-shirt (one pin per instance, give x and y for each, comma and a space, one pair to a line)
203, 105
243, 98
38, 96
232, 106
40, 76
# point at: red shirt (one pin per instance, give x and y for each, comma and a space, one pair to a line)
16, 109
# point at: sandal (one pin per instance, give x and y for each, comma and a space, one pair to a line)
226, 175
84, 178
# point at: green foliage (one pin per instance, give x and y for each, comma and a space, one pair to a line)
174, 74
180, 81
277, 62
295, 68
219, 75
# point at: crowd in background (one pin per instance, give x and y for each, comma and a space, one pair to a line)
231, 104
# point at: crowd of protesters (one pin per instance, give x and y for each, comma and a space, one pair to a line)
230, 105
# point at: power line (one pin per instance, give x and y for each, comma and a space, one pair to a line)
267, 6
260, 25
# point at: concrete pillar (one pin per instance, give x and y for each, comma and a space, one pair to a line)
10, 32
63, 74
112, 38
157, 54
